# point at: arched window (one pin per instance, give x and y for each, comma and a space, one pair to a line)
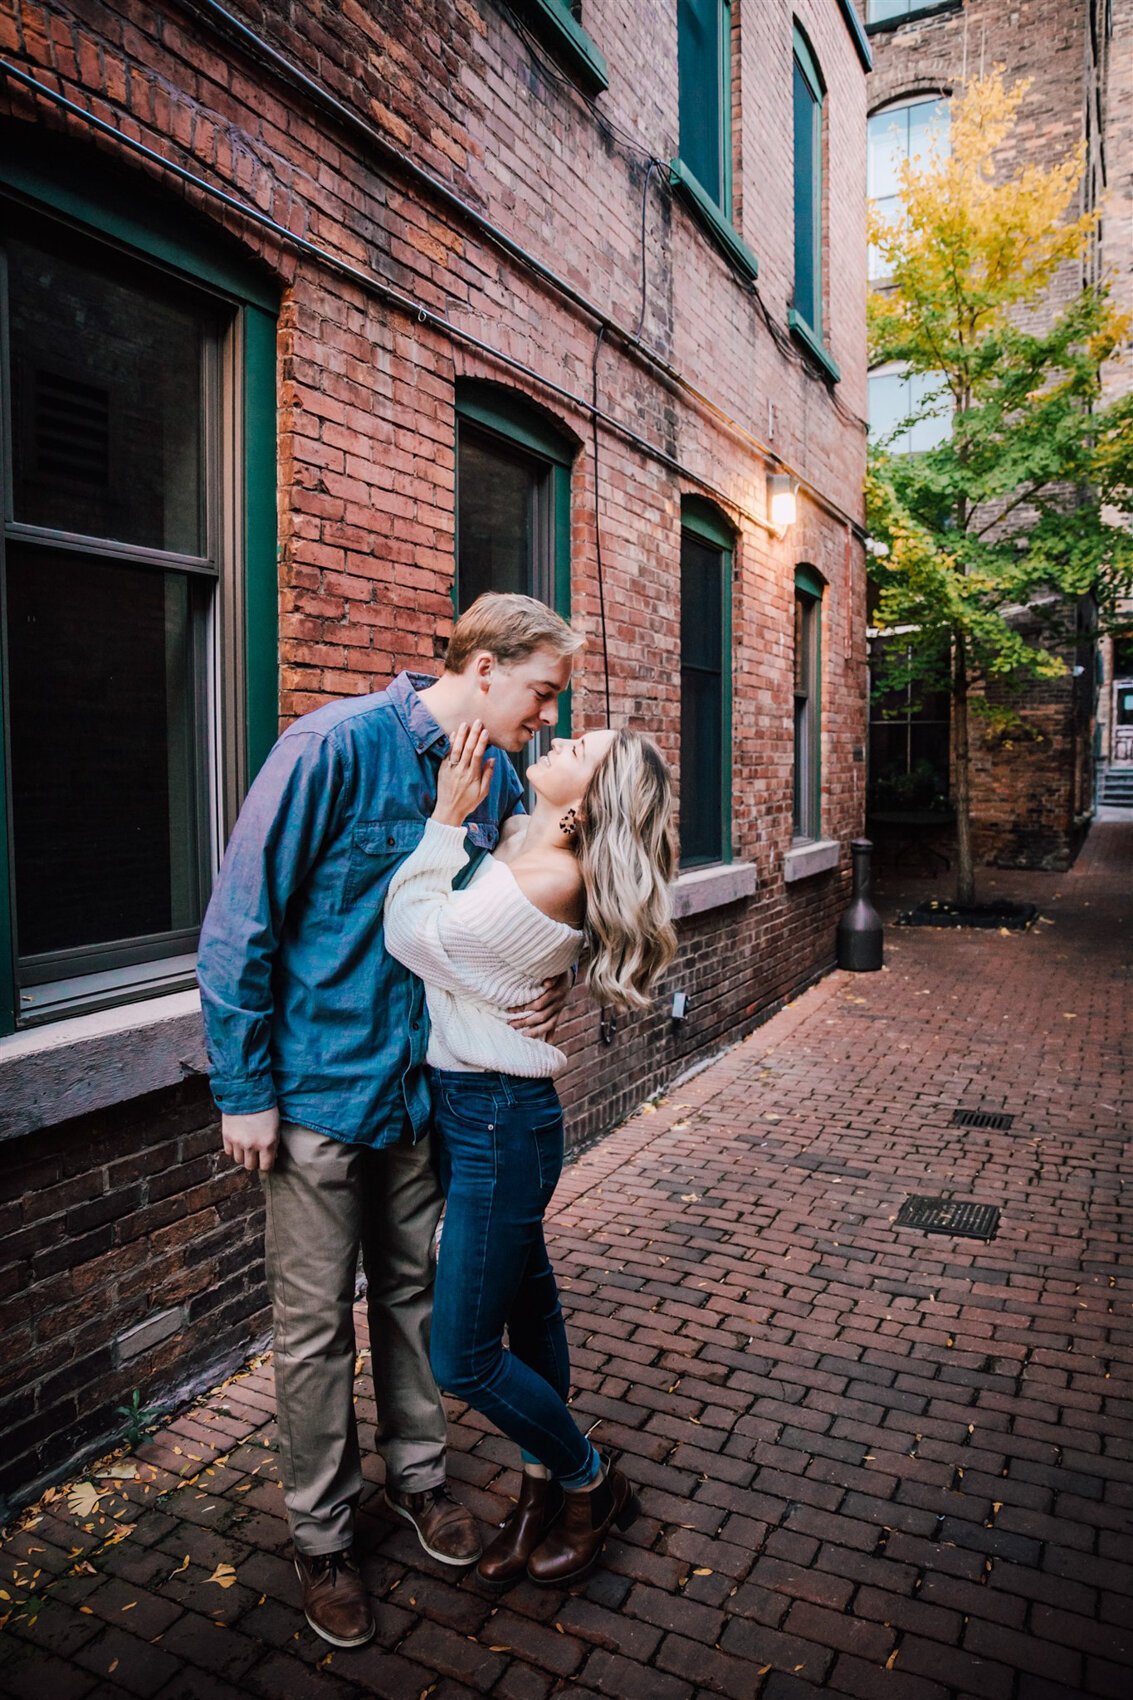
807, 802
513, 466
707, 544
906, 129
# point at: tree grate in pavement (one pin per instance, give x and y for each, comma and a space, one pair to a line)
957, 1216
981, 1118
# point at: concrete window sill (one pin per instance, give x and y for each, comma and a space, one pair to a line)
49, 1074
806, 859
711, 888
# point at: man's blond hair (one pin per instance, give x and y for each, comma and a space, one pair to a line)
511, 628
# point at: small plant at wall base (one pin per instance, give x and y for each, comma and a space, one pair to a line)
986, 535
136, 1418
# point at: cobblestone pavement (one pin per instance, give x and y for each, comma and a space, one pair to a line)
872, 1462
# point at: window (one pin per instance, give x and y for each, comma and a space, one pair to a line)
908, 411
706, 685
703, 170
806, 813
558, 24
138, 637
808, 96
890, 11
704, 67
512, 505
909, 725
911, 129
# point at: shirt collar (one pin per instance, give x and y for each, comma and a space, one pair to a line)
423, 730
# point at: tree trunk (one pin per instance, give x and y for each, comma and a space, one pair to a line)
965, 868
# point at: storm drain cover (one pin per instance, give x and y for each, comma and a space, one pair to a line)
957, 1216
981, 1118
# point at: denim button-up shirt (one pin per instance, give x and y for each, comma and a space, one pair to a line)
303, 1006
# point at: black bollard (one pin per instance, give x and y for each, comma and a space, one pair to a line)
860, 935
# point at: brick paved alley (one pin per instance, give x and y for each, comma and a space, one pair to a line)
872, 1462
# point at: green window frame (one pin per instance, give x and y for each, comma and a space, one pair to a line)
808, 105
125, 224
558, 24
707, 553
501, 423
806, 810
702, 171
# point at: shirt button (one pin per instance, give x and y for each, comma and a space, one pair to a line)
415, 1025
392, 842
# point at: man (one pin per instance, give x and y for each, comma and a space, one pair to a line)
317, 1038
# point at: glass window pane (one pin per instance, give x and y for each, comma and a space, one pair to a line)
806, 201
888, 147
105, 750
928, 128
702, 113
886, 404
878, 10
497, 520
701, 766
930, 398
703, 580
107, 404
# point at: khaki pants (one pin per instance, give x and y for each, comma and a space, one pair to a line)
324, 1200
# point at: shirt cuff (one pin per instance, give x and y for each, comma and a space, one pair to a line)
244, 1097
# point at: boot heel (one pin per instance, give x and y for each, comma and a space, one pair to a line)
629, 1513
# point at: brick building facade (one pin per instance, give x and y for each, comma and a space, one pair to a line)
1032, 786
332, 313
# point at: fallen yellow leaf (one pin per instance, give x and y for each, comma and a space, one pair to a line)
224, 1576
82, 1499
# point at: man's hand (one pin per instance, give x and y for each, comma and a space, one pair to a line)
539, 1019
252, 1140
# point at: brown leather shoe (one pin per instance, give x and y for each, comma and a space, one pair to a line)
572, 1547
334, 1598
505, 1557
444, 1528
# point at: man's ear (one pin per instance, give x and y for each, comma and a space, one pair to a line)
483, 666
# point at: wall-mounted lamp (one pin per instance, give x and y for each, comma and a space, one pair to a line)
782, 502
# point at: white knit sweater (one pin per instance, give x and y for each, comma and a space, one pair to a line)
481, 951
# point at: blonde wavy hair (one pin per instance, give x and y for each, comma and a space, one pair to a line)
627, 854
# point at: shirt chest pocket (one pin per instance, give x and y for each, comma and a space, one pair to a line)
376, 848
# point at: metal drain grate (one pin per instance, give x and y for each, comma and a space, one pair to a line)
950, 1216
981, 1118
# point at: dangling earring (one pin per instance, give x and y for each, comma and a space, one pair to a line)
568, 826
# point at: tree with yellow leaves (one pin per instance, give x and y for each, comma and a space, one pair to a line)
1017, 503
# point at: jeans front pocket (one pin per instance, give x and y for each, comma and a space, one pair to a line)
472, 1107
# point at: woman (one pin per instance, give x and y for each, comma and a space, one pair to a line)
592, 867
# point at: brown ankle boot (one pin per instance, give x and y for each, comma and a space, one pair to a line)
572, 1547
505, 1557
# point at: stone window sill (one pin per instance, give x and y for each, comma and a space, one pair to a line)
814, 343
803, 860
701, 889
719, 228
557, 27
49, 1074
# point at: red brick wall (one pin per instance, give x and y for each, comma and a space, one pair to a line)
104, 1222
1031, 786
366, 497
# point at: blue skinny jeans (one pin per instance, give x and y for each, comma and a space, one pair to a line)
499, 1141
